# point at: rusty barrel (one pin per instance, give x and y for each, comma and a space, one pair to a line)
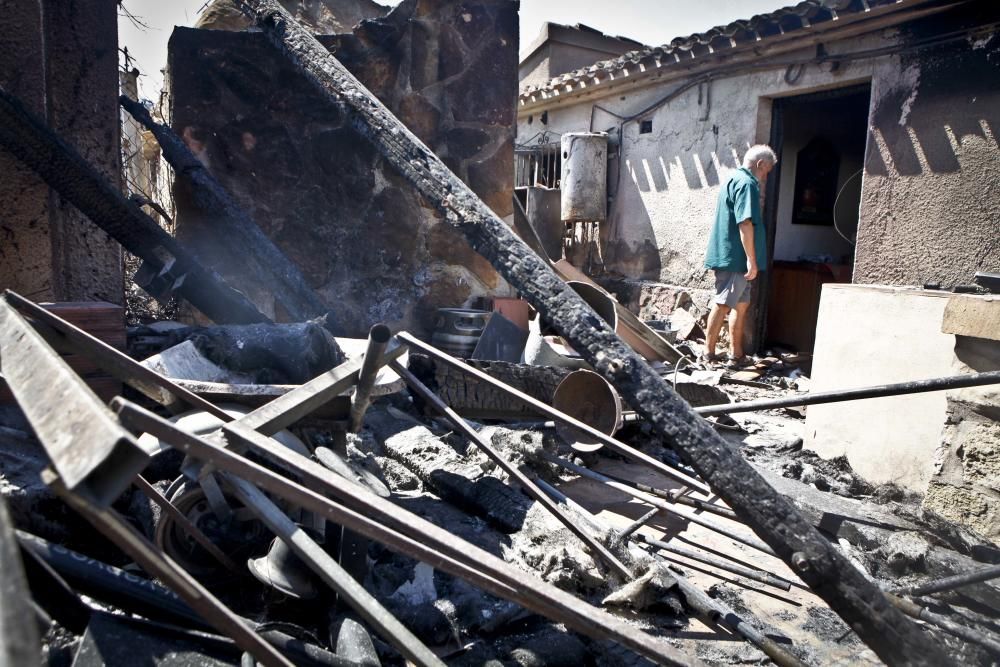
589, 398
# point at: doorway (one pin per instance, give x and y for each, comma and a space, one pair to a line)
813, 205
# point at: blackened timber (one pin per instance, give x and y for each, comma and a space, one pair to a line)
271, 269
59, 164
858, 601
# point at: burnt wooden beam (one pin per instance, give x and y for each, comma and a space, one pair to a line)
896, 639
29, 139
271, 270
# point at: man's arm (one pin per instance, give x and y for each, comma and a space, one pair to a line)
746, 238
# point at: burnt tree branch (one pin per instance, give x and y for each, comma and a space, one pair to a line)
271, 270
58, 164
859, 602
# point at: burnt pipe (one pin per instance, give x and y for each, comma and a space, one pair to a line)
859, 602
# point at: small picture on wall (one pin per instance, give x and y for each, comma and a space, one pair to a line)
816, 170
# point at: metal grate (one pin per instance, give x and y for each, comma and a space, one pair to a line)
539, 164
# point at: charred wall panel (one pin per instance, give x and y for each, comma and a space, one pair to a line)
930, 211
371, 248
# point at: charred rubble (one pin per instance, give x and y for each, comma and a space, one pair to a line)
263, 483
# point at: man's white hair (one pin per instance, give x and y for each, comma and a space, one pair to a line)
759, 152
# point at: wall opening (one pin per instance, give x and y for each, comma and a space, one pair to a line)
814, 200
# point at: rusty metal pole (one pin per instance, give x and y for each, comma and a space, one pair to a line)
378, 338
859, 602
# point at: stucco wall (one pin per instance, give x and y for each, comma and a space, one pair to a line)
930, 211
61, 59
664, 200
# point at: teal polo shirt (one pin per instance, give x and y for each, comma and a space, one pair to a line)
739, 199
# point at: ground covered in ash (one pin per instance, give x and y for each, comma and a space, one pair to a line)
438, 475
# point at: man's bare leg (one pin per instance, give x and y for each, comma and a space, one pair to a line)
715, 320
737, 320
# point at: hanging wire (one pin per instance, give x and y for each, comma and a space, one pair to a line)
837, 200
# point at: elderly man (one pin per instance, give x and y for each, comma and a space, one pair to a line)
737, 249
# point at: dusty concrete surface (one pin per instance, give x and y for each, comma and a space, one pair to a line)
879, 335
312, 183
61, 59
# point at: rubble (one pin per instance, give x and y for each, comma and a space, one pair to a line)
349, 511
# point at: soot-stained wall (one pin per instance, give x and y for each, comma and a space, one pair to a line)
930, 212
368, 244
60, 58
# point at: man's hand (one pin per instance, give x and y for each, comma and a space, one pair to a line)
751, 270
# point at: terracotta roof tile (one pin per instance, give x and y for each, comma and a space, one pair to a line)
721, 38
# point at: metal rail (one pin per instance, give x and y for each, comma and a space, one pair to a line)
61, 334
597, 549
332, 574
950, 583
677, 496
750, 573
558, 416
876, 391
358, 509
914, 610
749, 540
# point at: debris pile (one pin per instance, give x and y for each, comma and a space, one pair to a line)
274, 493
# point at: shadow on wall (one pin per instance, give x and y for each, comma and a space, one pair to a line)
655, 173
918, 127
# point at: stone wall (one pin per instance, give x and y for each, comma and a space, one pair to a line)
60, 58
367, 243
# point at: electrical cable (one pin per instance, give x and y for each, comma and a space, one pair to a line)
837, 200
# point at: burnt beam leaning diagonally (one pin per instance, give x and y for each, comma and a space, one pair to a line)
896, 639
29, 139
270, 267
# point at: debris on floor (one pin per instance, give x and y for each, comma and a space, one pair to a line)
550, 480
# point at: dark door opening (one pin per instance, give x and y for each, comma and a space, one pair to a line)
813, 204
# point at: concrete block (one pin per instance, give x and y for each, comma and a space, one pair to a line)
972, 315
868, 335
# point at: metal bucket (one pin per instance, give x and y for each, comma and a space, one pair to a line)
589, 398
457, 330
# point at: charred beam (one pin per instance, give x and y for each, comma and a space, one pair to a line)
859, 602
59, 164
271, 270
